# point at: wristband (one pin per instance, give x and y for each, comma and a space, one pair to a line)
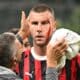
19, 38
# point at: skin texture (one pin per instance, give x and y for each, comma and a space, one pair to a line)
40, 27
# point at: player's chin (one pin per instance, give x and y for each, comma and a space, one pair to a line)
41, 43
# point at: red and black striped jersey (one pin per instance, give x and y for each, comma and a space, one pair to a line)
71, 71
35, 69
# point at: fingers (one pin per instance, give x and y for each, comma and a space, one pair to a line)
60, 45
57, 51
23, 19
23, 16
24, 29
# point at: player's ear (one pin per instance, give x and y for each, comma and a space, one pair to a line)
54, 25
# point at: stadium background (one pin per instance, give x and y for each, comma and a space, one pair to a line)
67, 12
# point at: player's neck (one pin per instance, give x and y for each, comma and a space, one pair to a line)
40, 50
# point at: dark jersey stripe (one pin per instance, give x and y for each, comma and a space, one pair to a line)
43, 69
32, 67
73, 69
78, 68
26, 66
68, 70
21, 65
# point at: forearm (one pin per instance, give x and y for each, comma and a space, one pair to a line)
51, 74
22, 35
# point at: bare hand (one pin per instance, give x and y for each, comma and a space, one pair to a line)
54, 53
24, 30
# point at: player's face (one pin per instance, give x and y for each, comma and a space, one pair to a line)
41, 26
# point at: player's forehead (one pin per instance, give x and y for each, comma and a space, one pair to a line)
38, 15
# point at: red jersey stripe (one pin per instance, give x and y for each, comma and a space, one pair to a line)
38, 70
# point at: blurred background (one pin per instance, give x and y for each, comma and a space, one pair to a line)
67, 12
